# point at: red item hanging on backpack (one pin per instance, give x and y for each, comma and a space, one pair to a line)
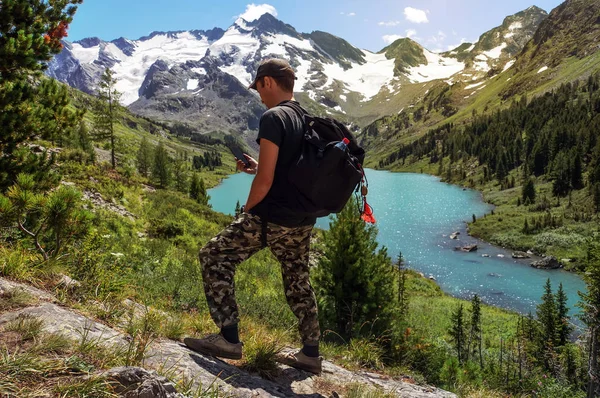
367, 214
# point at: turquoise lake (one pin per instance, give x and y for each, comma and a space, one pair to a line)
415, 215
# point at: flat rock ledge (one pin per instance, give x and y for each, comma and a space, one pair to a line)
174, 360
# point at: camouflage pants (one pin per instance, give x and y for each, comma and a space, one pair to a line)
240, 240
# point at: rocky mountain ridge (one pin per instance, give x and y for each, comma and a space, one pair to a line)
200, 77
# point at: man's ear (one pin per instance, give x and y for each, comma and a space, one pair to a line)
269, 82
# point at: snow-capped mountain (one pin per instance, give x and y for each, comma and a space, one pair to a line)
201, 76
496, 49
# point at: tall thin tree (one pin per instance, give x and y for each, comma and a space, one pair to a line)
563, 327
457, 332
144, 157
106, 111
590, 304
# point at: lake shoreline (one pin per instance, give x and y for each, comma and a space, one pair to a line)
416, 214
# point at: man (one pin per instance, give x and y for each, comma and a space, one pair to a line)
268, 219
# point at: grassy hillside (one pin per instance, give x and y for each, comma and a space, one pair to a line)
141, 244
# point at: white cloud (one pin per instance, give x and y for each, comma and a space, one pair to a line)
389, 39
351, 14
255, 11
415, 15
389, 23
410, 33
441, 35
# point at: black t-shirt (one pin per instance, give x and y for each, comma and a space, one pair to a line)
284, 127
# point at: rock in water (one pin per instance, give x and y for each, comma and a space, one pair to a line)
519, 254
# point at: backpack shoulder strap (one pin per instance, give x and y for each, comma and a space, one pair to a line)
295, 106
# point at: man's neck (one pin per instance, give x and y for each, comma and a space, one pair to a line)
285, 97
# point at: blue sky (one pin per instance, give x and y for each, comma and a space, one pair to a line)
438, 25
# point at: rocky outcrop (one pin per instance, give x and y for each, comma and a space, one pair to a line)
467, 248
519, 254
183, 364
133, 382
548, 262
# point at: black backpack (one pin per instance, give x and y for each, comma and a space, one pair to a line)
324, 175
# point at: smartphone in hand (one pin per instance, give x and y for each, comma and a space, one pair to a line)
237, 152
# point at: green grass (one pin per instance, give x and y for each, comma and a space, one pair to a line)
27, 326
260, 351
15, 298
505, 227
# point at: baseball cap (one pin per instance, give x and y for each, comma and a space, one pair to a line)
273, 67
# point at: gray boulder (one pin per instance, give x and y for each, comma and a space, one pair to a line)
133, 382
519, 254
548, 262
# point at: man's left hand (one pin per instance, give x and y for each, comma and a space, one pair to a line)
251, 169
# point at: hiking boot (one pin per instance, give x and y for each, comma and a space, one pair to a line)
215, 345
299, 360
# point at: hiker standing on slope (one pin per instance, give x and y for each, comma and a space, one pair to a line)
266, 220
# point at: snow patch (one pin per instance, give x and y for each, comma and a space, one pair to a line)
495, 52
192, 84
240, 46
200, 71
302, 74
508, 65
85, 55
343, 98
339, 109
515, 26
131, 71
470, 86
367, 78
437, 67
543, 68
279, 42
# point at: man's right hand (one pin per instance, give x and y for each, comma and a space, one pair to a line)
251, 169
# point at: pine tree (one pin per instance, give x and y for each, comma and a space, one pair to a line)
402, 293
106, 111
457, 332
161, 170
195, 187
354, 280
144, 157
563, 326
238, 208
547, 315
198, 190
590, 304
30, 34
528, 193
596, 193
79, 138
576, 170
203, 196
60, 119
180, 174
562, 175
50, 220
474, 343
